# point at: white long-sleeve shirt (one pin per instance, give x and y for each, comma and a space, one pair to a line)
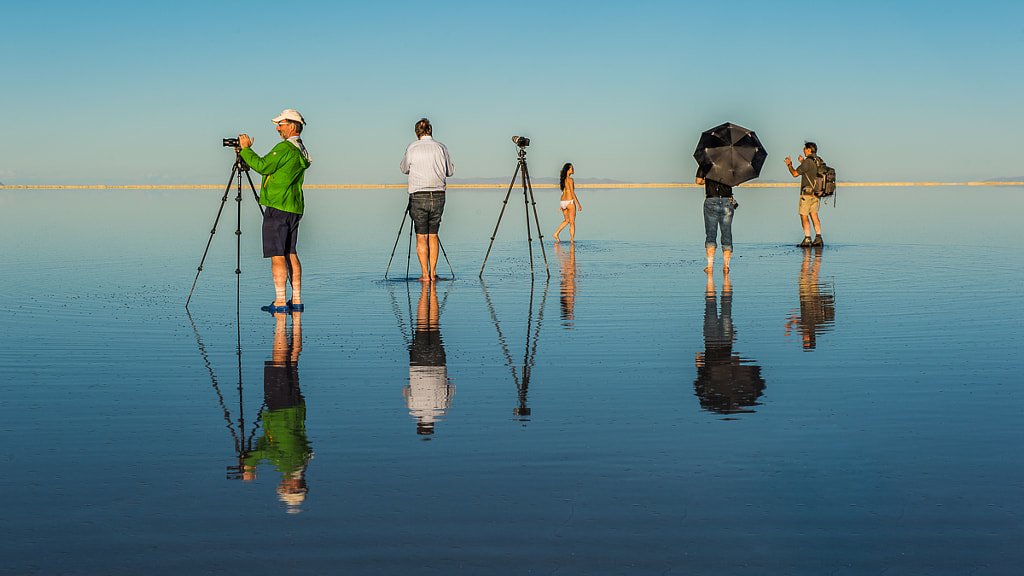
428, 164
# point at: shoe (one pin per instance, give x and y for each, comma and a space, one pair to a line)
806, 243
295, 307
275, 309
818, 242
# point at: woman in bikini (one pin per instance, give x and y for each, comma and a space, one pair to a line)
569, 204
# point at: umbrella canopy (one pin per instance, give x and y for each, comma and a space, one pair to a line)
729, 154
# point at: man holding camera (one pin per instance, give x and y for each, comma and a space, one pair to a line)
283, 171
807, 172
428, 164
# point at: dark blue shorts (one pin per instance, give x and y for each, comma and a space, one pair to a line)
426, 208
280, 232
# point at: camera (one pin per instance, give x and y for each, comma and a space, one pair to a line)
231, 143
521, 141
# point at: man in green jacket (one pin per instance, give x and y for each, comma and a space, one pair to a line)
283, 171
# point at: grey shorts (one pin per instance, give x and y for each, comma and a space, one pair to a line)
426, 208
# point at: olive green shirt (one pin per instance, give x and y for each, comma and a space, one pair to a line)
283, 171
808, 171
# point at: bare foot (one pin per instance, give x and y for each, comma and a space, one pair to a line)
424, 278
555, 237
708, 269
725, 269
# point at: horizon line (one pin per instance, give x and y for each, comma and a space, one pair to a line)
472, 186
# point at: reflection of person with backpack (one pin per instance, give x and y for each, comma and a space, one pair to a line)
808, 173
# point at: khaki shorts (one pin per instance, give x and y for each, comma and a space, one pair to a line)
808, 205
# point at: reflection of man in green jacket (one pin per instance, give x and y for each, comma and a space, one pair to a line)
284, 444
283, 171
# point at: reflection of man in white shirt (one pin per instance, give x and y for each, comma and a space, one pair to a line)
428, 394
428, 164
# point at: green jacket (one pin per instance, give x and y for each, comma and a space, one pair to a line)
283, 170
284, 443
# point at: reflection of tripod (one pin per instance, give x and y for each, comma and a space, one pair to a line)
243, 443
408, 258
527, 200
522, 411
239, 167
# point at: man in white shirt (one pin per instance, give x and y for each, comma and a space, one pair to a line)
428, 164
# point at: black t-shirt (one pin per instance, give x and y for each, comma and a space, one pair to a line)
715, 189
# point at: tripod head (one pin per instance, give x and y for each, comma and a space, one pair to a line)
240, 164
522, 142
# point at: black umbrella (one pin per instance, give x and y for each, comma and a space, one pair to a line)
729, 154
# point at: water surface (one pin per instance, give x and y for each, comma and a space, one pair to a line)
849, 410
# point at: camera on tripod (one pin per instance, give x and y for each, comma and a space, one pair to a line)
521, 141
231, 143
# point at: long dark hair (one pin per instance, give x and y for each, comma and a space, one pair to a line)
565, 172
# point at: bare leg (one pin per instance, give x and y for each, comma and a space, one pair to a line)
296, 279
726, 256
571, 213
806, 225
565, 220
817, 224
279, 270
426, 252
432, 238
423, 253
711, 258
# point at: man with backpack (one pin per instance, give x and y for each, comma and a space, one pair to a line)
808, 173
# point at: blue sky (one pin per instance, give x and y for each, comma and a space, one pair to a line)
138, 92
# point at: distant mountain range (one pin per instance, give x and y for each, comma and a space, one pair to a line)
547, 180
554, 181
541, 180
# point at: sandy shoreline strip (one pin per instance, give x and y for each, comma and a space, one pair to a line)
477, 186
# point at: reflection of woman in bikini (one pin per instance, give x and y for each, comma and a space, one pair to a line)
570, 203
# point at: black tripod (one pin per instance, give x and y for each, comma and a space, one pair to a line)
239, 167
408, 258
527, 200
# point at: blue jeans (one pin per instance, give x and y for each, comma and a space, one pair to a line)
718, 214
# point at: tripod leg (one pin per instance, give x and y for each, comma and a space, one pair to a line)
529, 186
238, 228
526, 208
500, 214
441, 246
408, 256
397, 238
213, 231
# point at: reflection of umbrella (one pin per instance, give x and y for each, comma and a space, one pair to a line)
729, 154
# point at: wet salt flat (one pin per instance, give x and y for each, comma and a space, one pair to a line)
850, 410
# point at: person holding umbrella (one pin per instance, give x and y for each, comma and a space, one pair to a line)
808, 209
719, 206
727, 155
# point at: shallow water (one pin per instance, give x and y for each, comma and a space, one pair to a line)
851, 410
